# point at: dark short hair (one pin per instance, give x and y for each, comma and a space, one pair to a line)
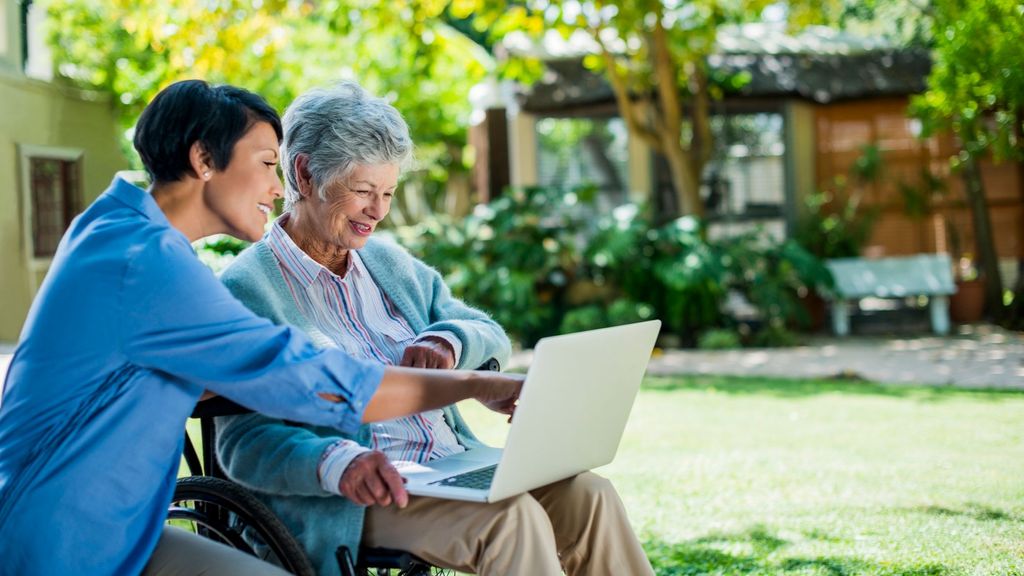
194, 111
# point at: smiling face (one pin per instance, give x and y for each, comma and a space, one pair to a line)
353, 208
241, 196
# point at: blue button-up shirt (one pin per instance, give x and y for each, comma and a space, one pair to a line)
126, 332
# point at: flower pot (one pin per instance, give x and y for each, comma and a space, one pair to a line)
968, 304
816, 310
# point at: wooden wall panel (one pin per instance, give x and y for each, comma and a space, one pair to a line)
842, 132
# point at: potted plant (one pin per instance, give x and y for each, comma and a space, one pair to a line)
831, 225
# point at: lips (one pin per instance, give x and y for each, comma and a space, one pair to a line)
361, 229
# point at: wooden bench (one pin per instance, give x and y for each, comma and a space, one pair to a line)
921, 275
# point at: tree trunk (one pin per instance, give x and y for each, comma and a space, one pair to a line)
984, 241
685, 180
1014, 316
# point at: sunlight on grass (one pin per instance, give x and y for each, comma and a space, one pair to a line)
743, 476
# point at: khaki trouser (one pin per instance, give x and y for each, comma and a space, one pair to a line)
181, 553
578, 525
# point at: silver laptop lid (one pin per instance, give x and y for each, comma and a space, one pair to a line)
574, 406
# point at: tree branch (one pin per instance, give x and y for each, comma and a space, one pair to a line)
666, 73
700, 115
627, 108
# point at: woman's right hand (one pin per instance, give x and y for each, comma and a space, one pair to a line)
499, 391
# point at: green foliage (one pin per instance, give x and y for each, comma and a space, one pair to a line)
536, 261
513, 257
591, 316
770, 276
833, 225
585, 318
654, 55
774, 335
719, 339
224, 244
976, 86
279, 49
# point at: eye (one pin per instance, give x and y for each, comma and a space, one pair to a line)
271, 164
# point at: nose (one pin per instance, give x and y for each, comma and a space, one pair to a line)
277, 190
376, 208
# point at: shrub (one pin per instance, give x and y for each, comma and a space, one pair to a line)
719, 339
542, 263
514, 257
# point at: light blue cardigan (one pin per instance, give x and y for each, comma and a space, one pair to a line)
278, 460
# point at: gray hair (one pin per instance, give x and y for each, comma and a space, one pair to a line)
338, 128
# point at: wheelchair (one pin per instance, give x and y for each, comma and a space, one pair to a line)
208, 504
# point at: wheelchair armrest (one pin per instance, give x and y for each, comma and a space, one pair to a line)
218, 406
490, 364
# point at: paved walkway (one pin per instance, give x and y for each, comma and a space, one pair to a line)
977, 357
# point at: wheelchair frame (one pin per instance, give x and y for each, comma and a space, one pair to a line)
229, 513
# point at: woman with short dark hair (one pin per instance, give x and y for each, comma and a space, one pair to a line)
129, 329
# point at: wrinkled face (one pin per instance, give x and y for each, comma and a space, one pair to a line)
354, 206
241, 196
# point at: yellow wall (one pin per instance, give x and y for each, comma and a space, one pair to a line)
37, 113
522, 138
640, 177
800, 150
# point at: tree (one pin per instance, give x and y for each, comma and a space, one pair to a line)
654, 54
280, 48
976, 90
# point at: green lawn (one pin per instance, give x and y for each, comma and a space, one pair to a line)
769, 476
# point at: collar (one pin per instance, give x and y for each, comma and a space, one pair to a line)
137, 199
293, 258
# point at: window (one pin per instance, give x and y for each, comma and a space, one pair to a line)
579, 152
53, 196
745, 178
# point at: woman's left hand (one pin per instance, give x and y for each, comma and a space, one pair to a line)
430, 352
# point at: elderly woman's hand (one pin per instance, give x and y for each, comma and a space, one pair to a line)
371, 479
431, 352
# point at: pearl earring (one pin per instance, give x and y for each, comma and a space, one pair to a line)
206, 174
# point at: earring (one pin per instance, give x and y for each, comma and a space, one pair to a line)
206, 174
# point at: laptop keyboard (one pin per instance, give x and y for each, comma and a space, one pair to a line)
479, 479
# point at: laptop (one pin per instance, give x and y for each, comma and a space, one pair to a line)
571, 414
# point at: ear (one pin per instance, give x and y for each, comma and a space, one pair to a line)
200, 161
302, 176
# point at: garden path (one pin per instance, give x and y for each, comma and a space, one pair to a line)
979, 356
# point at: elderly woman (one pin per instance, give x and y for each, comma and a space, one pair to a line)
320, 269
129, 329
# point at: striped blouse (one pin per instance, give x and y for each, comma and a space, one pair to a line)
360, 319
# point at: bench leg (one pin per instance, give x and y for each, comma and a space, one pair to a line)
840, 317
939, 308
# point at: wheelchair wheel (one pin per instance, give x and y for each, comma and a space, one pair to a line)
386, 562
230, 514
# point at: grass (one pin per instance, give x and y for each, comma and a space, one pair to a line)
730, 476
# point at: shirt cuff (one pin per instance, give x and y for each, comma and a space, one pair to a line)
361, 380
335, 461
448, 337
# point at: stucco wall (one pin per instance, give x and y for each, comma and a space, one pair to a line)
40, 114
800, 156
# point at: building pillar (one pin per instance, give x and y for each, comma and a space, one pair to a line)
641, 170
522, 146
